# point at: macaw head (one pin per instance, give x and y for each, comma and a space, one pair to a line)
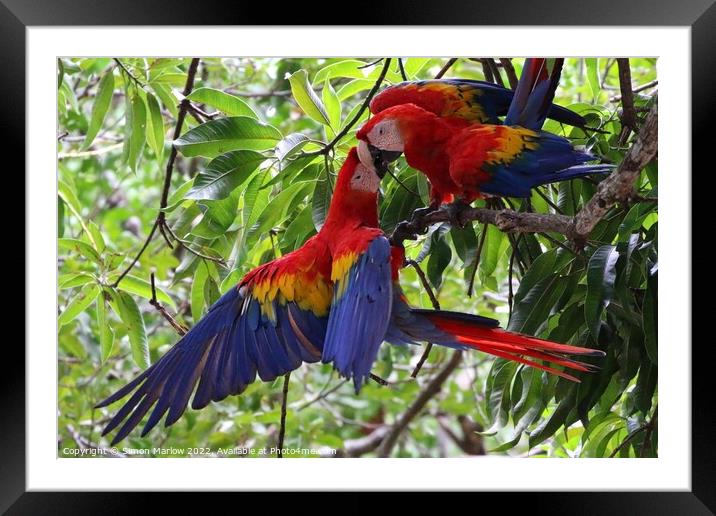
381, 140
355, 197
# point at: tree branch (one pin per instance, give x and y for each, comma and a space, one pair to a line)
329, 146
446, 67
431, 389
619, 186
506, 63
628, 111
284, 401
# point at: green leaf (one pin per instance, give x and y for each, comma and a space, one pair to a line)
106, 335
592, 64
227, 134
413, 65
650, 318
495, 245
97, 237
497, 390
558, 418
306, 98
197, 292
74, 279
101, 104
320, 202
355, 86
142, 288
80, 247
60, 217
224, 102
137, 132
346, 68
601, 275
128, 311
534, 308
224, 174
78, 304
440, 256
276, 210
155, 135
543, 265
290, 145
332, 103
218, 217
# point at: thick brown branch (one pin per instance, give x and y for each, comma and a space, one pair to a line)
506, 63
430, 391
628, 111
505, 220
362, 445
619, 186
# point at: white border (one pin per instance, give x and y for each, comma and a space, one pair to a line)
670, 471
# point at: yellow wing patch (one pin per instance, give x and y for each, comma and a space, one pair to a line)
308, 291
511, 142
339, 272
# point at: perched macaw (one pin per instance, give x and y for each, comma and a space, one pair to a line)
466, 160
463, 101
335, 299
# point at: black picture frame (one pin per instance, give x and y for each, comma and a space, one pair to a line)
700, 15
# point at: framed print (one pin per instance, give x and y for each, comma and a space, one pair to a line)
222, 204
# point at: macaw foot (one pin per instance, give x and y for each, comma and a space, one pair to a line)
495, 203
404, 231
457, 213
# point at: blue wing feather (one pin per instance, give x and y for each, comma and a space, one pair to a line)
359, 317
222, 353
553, 160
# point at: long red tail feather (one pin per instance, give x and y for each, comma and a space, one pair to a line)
515, 346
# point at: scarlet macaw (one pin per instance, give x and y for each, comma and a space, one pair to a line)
469, 159
335, 299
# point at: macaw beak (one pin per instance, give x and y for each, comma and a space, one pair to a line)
382, 158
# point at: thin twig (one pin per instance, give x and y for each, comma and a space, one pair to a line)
330, 145
181, 330
282, 431
647, 426
506, 63
130, 74
638, 89
402, 69
628, 112
436, 306
446, 67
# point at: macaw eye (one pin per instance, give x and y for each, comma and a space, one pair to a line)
380, 131
358, 176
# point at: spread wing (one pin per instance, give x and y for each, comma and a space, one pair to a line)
360, 313
471, 100
271, 323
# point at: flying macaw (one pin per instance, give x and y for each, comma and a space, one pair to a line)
466, 160
336, 299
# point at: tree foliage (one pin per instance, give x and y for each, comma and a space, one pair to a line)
250, 183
